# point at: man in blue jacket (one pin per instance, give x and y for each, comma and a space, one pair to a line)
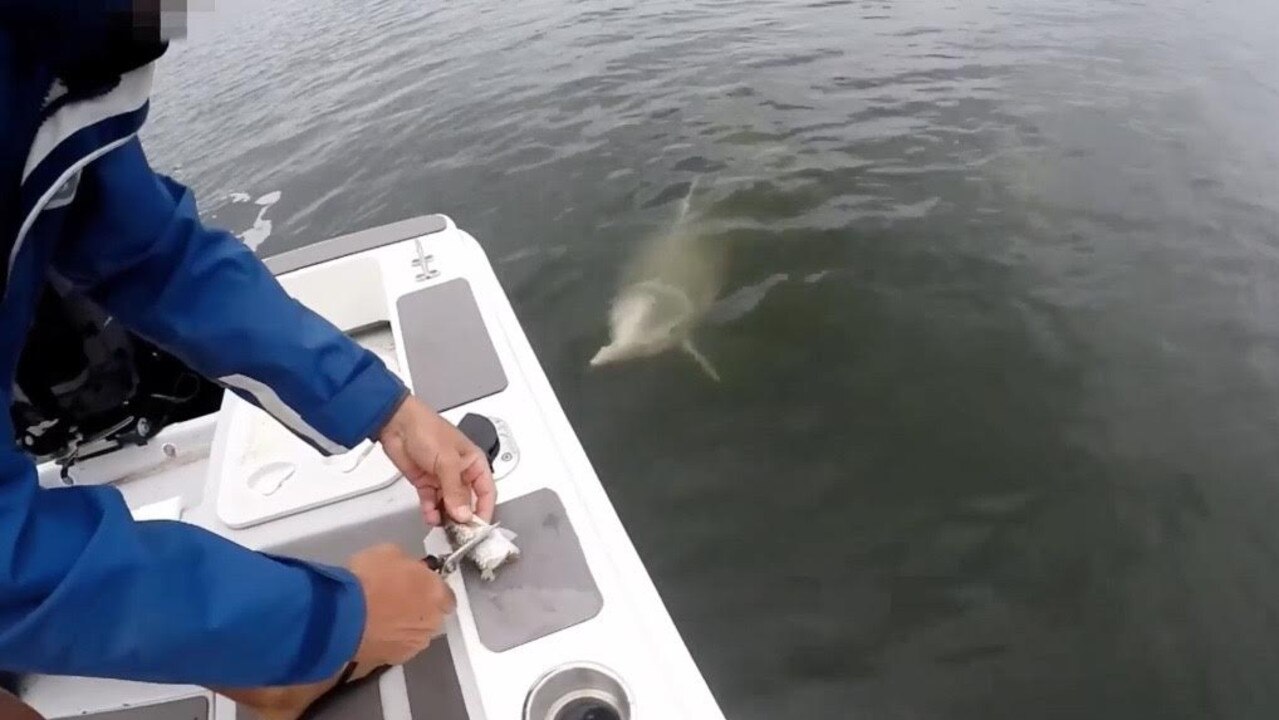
85, 590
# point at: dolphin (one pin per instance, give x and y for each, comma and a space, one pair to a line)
667, 288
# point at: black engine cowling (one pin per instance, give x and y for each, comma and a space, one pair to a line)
82, 377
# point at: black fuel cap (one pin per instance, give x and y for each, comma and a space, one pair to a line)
483, 433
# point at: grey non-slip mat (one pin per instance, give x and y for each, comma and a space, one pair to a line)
547, 589
451, 357
434, 691
186, 709
357, 703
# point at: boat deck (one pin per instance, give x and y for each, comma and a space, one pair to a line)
422, 294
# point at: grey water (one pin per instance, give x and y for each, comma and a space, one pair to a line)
997, 434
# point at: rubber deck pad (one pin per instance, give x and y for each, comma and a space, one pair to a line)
451, 357
434, 691
187, 709
547, 589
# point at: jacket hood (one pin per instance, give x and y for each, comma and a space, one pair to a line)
88, 43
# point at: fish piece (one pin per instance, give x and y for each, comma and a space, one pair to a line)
495, 550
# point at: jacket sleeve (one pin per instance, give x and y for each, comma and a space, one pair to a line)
85, 590
135, 243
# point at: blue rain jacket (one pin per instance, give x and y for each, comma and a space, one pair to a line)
85, 590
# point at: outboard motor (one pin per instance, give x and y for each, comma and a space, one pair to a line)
85, 384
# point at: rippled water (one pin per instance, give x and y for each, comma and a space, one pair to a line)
998, 434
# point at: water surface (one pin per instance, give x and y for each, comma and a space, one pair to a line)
997, 434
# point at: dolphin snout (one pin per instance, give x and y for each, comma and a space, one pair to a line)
604, 355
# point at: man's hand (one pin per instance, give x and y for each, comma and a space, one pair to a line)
405, 605
11, 708
444, 466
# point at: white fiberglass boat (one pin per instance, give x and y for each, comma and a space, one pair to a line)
571, 630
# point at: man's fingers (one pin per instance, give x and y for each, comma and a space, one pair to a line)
479, 478
426, 492
450, 600
455, 494
430, 505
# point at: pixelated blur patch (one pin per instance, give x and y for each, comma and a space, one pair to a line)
163, 20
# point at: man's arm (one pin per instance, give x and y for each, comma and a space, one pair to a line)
138, 248
84, 590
